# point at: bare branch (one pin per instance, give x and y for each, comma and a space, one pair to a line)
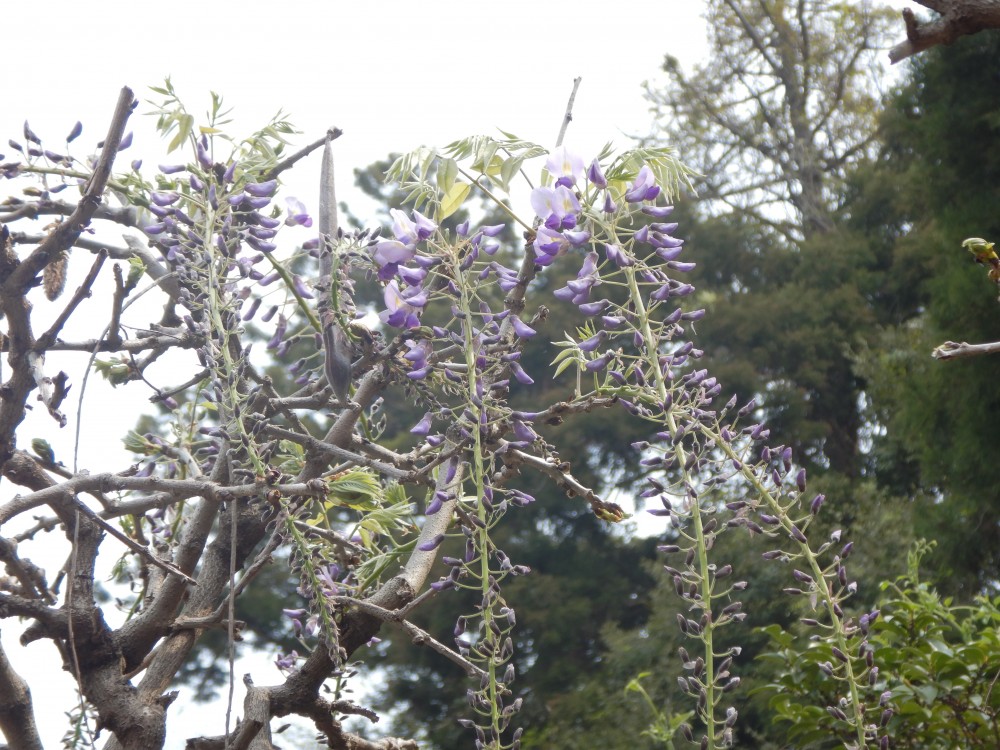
957, 18
953, 350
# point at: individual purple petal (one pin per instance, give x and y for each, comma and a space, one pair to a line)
260, 245
522, 329
248, 315
644, 188
29, 135
593, 308
563, 163
201, 151
423, 427
412, 276
520, 374
618, 257
164, 199
301, 287
590, 344
676, 265
524, 433
297, 214
596, 175
433, 544
564, 293
657, 211
261, 189
392, 251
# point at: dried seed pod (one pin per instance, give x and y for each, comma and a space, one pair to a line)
54, 276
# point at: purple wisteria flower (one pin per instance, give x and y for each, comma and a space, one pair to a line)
402, 306
565, 166
578, 290
558, 207
411, 231
644, 188
596, 175
286, 661
297, 214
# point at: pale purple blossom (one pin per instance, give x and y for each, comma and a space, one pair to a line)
297, 213
644, 188
411, 231
399, 312
557, 207
565, 166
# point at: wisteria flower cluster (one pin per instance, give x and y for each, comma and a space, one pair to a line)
248, 468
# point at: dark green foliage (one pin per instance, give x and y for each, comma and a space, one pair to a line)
940, 418
938, 668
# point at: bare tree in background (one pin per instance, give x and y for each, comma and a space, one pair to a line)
783, 108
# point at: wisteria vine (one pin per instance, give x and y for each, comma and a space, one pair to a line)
250, 468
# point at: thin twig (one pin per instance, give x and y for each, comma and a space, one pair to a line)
420, 636
83, 292
331, 135
568, 117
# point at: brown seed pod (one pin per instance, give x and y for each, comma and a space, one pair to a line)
54, 276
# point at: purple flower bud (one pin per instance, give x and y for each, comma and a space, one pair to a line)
164, 199
816, 504
203, 158
493, 230
677, 265
171, 168
524, 433
522, 329
300, 286
75, 132
520, 374
593, 308
657, 211
195, 183
596, 175
264, 247
125, 142
800, 480
29, 134
136, 164
432, 544
423, 427
591, 344
594, 365
261, 189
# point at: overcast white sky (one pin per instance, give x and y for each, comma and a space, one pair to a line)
393, 75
